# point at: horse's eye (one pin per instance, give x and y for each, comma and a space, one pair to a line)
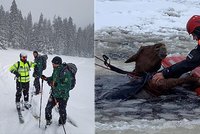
157, 48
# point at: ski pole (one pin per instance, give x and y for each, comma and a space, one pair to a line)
41, 103
63, 125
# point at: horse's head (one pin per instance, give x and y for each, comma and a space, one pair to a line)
161, 50
148, 58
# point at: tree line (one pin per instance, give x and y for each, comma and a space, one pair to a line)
60, 36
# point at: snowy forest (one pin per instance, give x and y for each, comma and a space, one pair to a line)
59, 36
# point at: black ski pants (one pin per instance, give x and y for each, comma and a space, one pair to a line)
37, 85
62, 103
22, 87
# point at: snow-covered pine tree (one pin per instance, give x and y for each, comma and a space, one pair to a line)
58, 35
89, 41
79, 42
28, 26
16, 29
47, 37
70, 37
3, 28
38, 41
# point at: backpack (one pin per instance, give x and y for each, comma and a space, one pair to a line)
44, 61
72, 69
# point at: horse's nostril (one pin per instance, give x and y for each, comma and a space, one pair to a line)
162, 56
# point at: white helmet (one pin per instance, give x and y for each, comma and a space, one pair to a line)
23, 57
22, 54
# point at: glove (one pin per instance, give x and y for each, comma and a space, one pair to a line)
16, 74
52, 84
55, 84
35, 72
43, 77
49, 82
35, 75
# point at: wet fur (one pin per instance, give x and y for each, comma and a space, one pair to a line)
148, 60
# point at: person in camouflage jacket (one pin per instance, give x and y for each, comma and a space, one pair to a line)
37, 71
60, 87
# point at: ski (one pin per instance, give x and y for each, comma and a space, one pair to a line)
46, 126
21, 119
33, 113
32, 108
35, 116
70, 121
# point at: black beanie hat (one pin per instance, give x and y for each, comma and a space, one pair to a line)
57, 60
35, 52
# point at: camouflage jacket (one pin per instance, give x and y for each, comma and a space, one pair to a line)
62, 85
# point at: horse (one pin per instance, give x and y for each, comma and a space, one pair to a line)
147, 62
148, 58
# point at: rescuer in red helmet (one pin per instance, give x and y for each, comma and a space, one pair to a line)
193, 58
193, 27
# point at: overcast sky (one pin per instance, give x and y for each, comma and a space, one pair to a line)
82, 11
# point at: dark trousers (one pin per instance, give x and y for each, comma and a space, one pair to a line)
61, 107
37, 85
22, 88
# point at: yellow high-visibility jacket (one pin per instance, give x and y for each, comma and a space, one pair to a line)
23, 69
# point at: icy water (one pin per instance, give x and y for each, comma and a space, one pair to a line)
178, 113
177, 130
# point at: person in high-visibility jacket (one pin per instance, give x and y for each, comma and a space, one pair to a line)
21, 70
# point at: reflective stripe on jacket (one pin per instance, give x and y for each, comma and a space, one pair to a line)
23, 69
192, 61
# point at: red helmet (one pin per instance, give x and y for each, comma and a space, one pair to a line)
192, 23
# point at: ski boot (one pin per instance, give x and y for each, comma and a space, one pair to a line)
27, 105
60, 122
48, 122
37, 92
18, 105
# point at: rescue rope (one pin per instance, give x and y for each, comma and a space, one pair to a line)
102, 66
106, 62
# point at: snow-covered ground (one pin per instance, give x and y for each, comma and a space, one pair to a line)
80, 106
121, 27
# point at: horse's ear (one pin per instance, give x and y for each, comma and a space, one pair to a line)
135, 56
158, 46
131, 59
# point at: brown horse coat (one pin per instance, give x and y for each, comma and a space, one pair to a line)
148, 60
